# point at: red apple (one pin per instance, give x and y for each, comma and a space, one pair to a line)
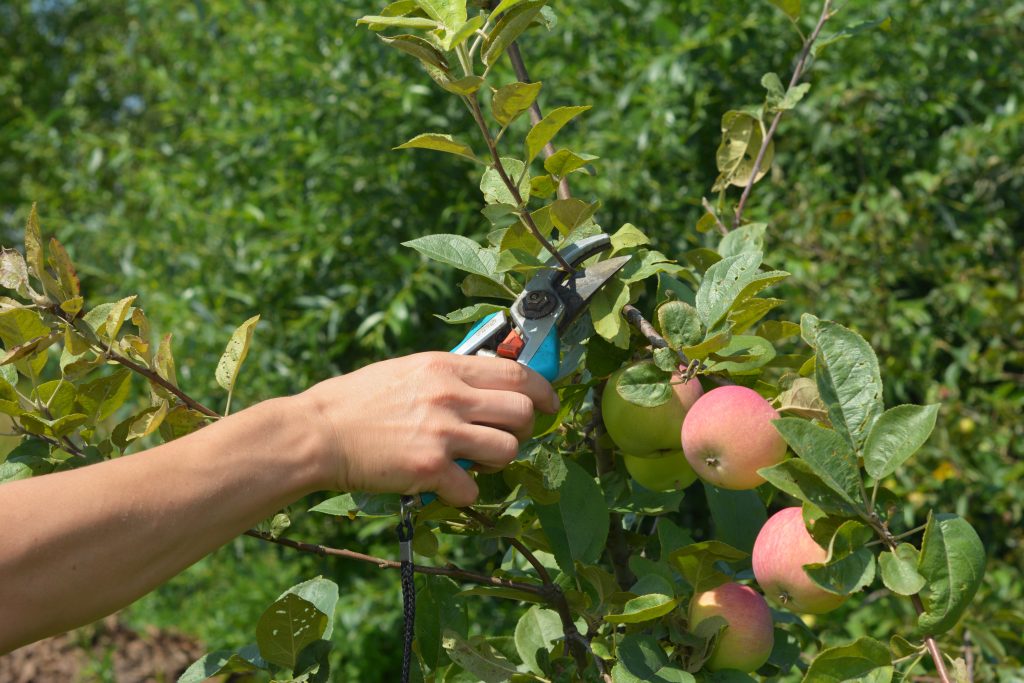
748, 640
728, 435
640, 430
781, 550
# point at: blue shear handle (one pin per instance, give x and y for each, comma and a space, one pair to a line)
545, 362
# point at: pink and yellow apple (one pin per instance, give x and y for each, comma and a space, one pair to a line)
781, 550
748, 640
728, 435
671, 472
640, 430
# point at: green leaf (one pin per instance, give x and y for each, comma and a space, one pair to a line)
454, 38
644, 384
451, 13
737, 515
899, 570
802, 399
12, 471
708, 346
743, 355
679, 324
745, 315
102, 397
743, 239
509, 27
849, 382
606, 313
776, 91
569, 214
697, 563
518, 260
438, 609
503, 6
643, 608
61, 263
897, 435
180, 421
478, 657
288, 626
849, 566
795, 477
432, 60
243, 660
148, 420
953, 563
379, 23
626, 237
563, 162
13, 271
642, 660
546, 129
34, 258
791, 8
827, 455
536, 630
470, 313
542, 186
458, 251
489, 287
496, 191
742, 136
849, 32
464, 86
723, 282
864, 661
339, 506
512, 100
577, 525
441, 143
235, 353
647, 263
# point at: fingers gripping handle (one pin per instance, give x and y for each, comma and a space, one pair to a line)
545, 362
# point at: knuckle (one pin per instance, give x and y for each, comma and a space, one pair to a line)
508, 446
515, 374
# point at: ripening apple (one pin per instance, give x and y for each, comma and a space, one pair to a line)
747, 642
671, 472
641, 430
781, 550
728, 435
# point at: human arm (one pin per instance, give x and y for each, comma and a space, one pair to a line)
80, 544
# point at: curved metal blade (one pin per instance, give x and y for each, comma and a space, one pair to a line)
577, 290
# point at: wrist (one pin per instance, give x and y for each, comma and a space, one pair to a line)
306, 439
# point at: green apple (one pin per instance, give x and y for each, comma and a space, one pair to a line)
671, 472
748, 639
640, 430
782, 548
728, 435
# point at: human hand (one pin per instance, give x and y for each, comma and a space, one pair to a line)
399, 425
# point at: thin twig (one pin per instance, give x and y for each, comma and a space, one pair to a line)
149, 374
797, 72
453, 572
555, 596
516, 57
524, 213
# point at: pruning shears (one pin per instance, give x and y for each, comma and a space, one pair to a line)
530, 331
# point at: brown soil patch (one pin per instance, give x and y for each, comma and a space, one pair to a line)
104, 651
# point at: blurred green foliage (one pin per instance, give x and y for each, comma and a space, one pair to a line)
224, 158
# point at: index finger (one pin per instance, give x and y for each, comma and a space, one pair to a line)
504, 374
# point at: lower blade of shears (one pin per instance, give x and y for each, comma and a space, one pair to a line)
577, 290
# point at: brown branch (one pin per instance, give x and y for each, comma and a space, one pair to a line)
524, 213
890, 542
149, 374
797, 72
554, 594
516, 57
452, 572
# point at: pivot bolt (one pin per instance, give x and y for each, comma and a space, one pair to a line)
537, 305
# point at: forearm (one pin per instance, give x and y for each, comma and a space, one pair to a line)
81, 544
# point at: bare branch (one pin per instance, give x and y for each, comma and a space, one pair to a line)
452, 572
797, 73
